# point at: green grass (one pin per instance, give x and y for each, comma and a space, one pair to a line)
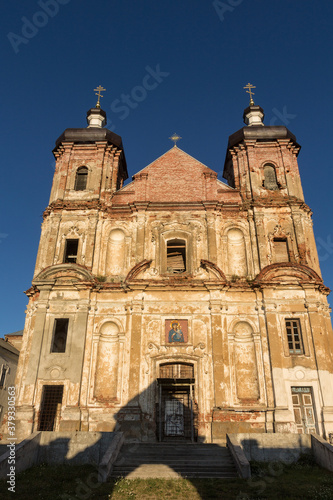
276, 481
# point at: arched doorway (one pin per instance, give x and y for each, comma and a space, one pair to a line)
176, 407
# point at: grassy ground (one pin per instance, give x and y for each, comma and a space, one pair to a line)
269, 482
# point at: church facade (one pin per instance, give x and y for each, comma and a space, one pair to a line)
177, 306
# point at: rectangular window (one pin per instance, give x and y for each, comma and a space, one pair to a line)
294, 336
71, 251
176, 256
3, 374
281, 250
81, 179
59, 335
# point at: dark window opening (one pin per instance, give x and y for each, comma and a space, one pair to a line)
59, 335
3, 376
51, 407
294, 336
176, 256
71, 251
281, 250
270, 181
81, 179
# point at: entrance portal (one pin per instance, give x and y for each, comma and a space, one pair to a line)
176, 408
303, 410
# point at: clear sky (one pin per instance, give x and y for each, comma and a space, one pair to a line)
199, 55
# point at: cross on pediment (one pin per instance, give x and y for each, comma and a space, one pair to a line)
175, 137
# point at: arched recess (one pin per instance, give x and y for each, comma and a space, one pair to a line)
116, 253
107, 363
237, 260
246, 370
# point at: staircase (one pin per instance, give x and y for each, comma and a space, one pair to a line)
174, 460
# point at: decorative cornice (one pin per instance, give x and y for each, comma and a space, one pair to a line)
58, 205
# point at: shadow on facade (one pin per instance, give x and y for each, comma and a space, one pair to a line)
166, 411
173, 421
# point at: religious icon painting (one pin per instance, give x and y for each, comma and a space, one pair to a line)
176, 331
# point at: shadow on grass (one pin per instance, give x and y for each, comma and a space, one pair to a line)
298, 481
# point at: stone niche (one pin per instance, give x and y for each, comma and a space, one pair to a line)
106, 376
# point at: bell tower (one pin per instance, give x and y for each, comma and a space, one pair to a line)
262, 165
90, 167
261, 162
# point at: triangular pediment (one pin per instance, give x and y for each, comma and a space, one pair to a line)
175, 177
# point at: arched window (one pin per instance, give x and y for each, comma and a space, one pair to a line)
270, 181
81, 179
176, 256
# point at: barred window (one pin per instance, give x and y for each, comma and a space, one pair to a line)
50, 407
294, 336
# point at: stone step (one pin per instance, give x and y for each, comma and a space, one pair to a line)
177, 465
177, 455
146, 471
157, 451
173, 460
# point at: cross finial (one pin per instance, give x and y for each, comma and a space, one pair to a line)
249, 86
98, 93
175, 137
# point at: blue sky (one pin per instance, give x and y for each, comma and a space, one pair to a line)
55, 52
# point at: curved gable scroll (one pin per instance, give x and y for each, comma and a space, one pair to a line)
209, 266
64, 272
288, 272
137, 269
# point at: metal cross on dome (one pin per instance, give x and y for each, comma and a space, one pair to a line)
175, 137
249, 86
98, 93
